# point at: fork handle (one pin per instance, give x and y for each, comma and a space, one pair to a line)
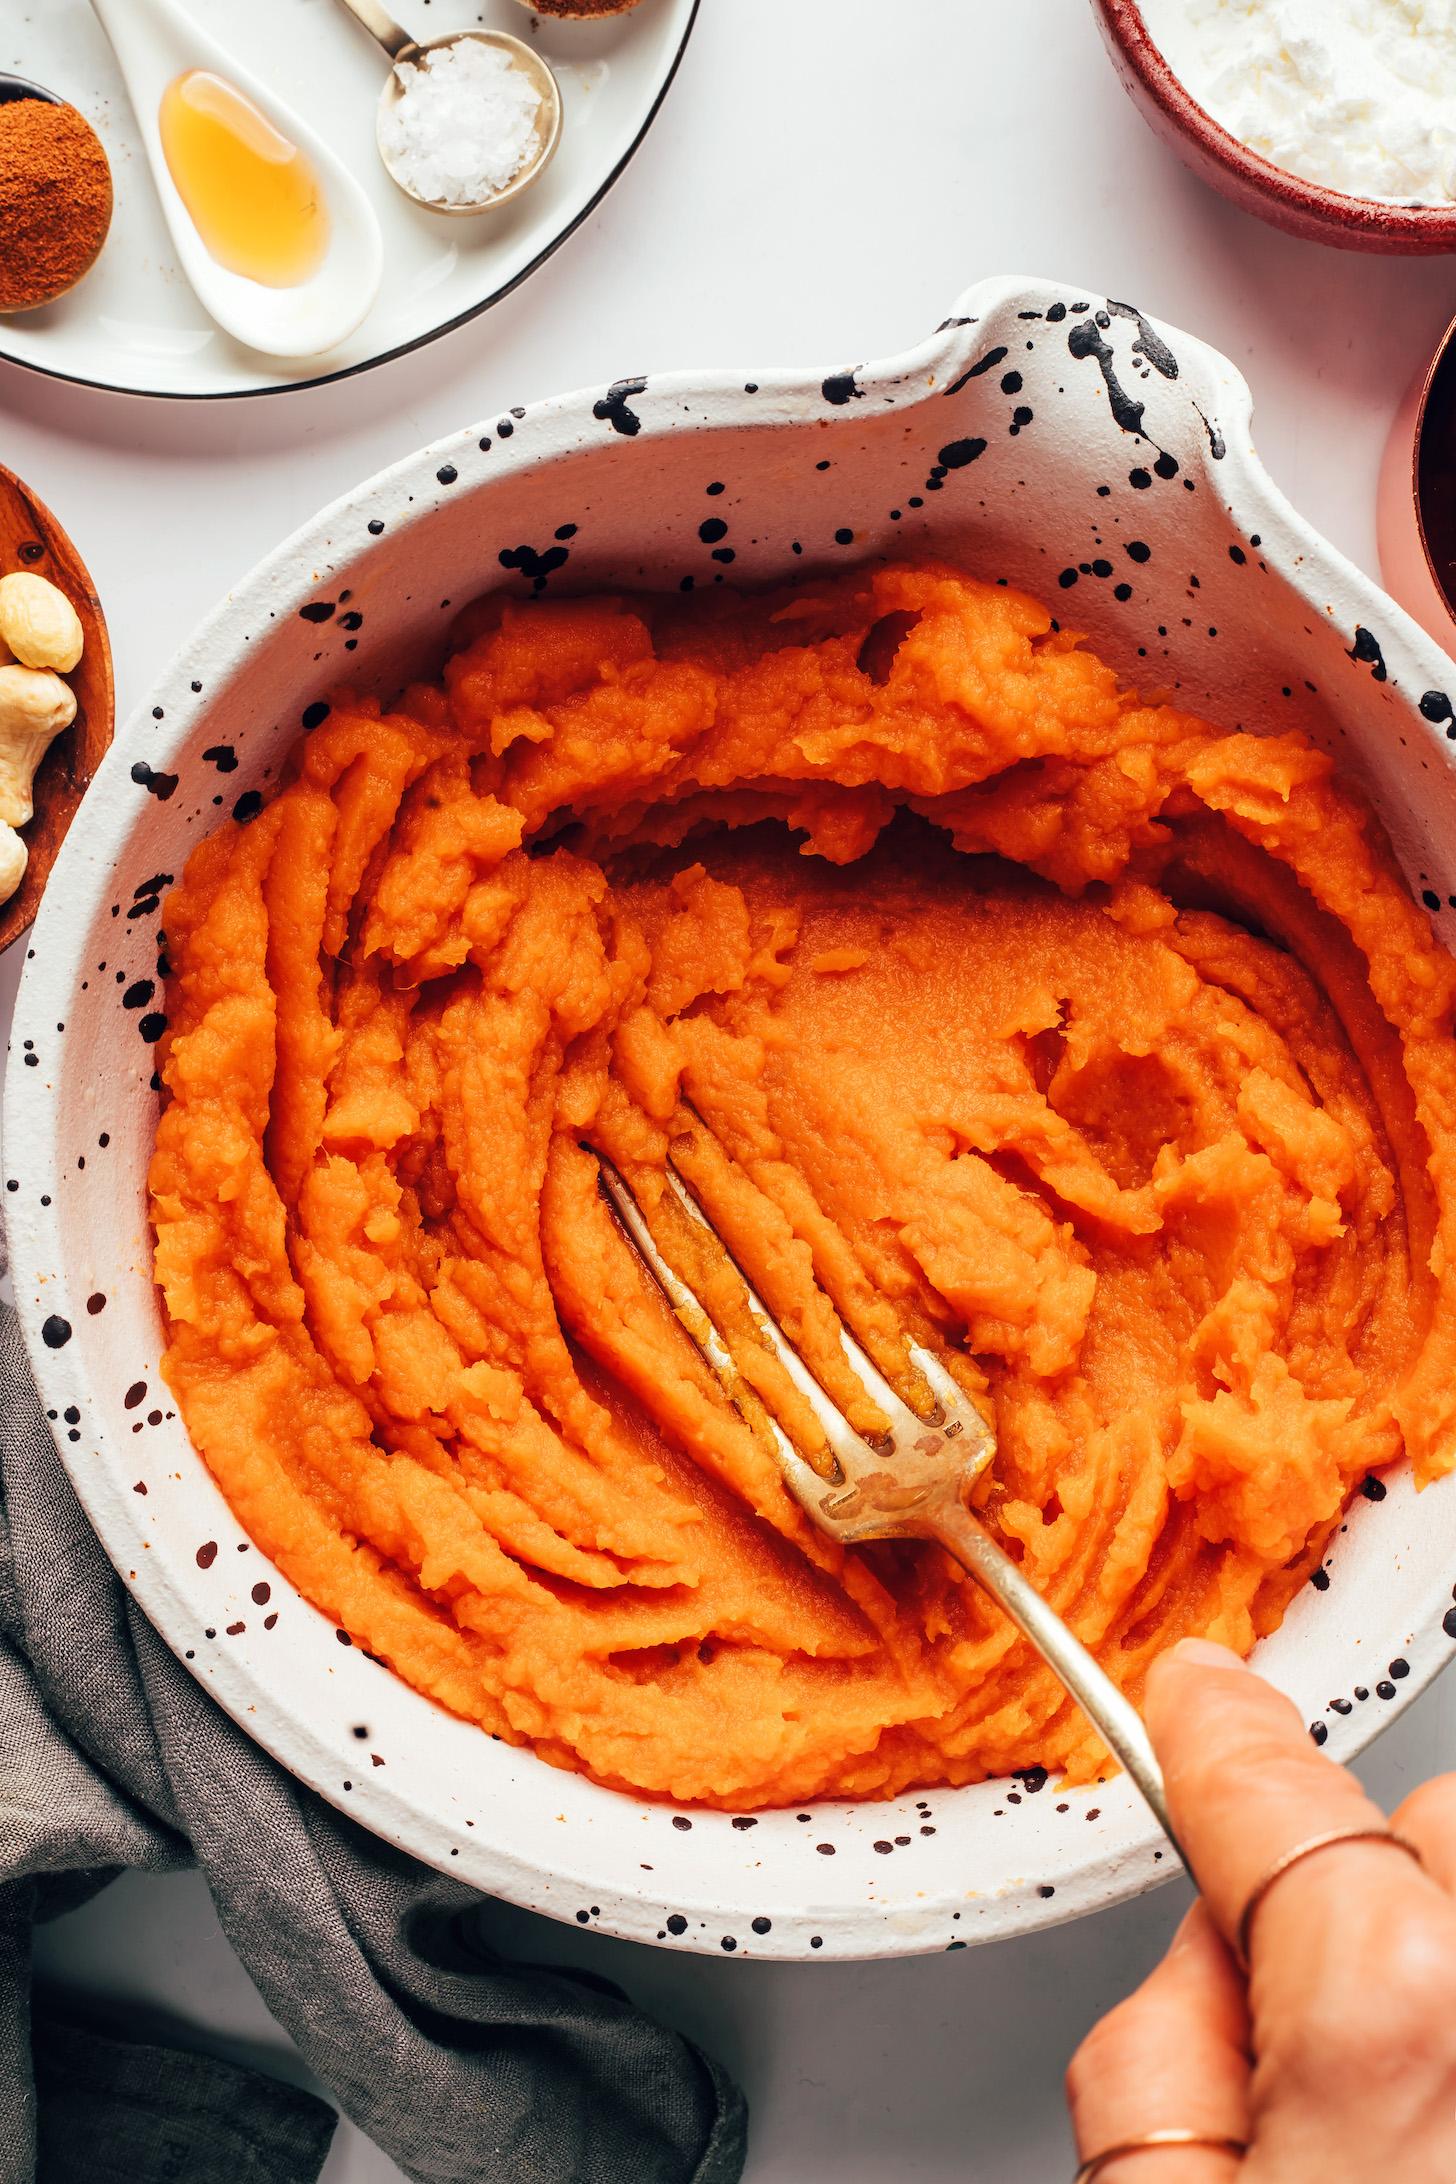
1112, 1715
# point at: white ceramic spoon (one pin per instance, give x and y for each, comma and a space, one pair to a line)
155, 43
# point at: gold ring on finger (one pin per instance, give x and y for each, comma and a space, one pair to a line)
1297, 1855
1149, 2142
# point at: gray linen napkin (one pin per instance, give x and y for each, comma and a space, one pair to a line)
465, 2069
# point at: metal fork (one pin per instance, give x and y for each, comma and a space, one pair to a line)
911, 1482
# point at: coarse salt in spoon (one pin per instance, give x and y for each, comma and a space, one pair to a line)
466, 121
237, 171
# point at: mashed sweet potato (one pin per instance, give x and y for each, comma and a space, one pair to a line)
1099, 1049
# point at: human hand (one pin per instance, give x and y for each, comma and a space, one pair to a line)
1334, 2060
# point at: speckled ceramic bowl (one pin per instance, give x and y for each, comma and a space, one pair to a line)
1256, 184
1040, 434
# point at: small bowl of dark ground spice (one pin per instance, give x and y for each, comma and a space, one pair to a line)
55, 196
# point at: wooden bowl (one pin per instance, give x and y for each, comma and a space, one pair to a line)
31, 538
1286, 200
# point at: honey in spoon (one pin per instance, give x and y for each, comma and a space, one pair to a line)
251, 193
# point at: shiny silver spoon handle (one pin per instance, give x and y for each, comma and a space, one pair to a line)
380, 25
1113, 1716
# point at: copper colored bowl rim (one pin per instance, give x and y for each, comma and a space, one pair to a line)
1430, 225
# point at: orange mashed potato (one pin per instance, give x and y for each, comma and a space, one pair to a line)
982, 1001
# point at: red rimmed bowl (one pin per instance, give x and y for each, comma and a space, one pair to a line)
1250, 181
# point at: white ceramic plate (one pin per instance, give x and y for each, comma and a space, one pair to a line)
1065, 443
134, 324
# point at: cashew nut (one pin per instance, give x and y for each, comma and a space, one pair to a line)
13, 856
38, 622
35, 706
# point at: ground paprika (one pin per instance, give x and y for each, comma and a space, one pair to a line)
55, 201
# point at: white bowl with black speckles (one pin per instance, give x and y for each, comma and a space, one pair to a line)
1040, 434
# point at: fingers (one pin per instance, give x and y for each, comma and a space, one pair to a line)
1353, 1979
1428, 1819
1353, 1986
1173, 2056
1245, 1785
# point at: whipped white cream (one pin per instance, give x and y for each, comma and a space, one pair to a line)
1359, 95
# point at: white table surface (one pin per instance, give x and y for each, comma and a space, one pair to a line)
825, 177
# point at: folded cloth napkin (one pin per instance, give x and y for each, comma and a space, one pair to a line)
465, 2069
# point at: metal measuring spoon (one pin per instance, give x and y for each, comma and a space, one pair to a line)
400, 46
19, 90
19, 87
